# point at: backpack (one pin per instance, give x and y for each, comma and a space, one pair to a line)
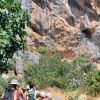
16, 93
7, 95
31, 94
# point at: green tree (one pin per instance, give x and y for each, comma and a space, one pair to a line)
12, 23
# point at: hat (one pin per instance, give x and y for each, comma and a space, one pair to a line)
43, 94
14, 81
27, 87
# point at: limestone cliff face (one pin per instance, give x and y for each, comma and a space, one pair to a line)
66, 25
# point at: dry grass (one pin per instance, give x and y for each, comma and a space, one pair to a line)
66, 95
60, 93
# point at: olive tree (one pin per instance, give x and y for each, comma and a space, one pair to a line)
12, 36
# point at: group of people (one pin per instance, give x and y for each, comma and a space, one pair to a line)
14, 92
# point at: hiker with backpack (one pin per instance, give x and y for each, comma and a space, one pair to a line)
26, 92
7, 94
30, 93
12, 91
15, 90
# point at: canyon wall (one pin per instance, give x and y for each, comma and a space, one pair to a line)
65, 25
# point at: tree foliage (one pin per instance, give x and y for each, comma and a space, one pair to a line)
12, 23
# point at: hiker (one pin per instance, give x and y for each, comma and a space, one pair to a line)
31, 92
38, 97
20, 92
7, 93
15, 90
43, 95
26, 92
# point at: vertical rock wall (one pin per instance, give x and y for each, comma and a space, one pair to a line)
26, 5
63, 23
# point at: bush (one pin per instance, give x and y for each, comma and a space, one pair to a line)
93, 83
3, 83
73, 98
52, 72
43, 50
65, 75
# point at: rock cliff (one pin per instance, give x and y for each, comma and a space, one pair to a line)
65, 25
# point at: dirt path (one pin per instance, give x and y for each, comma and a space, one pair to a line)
60, 93
66, 95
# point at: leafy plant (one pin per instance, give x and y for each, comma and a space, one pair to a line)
93, 83
65, 75
3, 83
12, 35
73, 98
43, 50
52, 72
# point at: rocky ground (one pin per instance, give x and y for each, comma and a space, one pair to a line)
67, 95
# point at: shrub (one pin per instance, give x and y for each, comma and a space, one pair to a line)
78, 69
93, 83
47, 72
43, 50
52, 72
73, 98
3, 83
65, 75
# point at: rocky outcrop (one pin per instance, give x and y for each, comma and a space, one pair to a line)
26, 5
20, 57
66, 25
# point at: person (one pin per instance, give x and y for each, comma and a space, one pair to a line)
20, 92
26, 92
37, 93
31, 92
7, 94
43, 95
15, 90
38, 97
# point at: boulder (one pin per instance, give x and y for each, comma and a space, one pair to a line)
26, 56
